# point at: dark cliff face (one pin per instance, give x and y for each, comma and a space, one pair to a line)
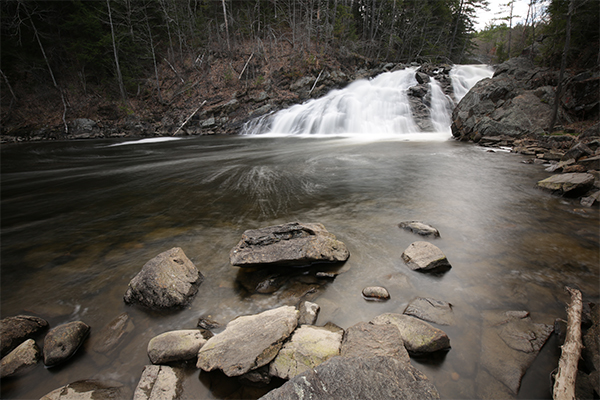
517, 102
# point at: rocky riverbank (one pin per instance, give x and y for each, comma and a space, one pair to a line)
280, 352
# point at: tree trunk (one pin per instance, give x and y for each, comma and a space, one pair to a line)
226, 24
154, 60
118, 67
564, 384
563, 65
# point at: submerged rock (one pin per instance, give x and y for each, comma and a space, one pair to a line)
510, 343
15, 330
26, 355
248, 342
173, 346
419, 228
308, 347
63, 341
292, 244
375, 293
419, 337
424, 256
570, 184
159, 382
110, 336
89, 389
352, 378
431, 310
169, 280
368, 340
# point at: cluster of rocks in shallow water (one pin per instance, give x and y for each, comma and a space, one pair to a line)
367, 360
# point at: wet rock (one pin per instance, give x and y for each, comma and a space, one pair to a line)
375, 293
420, 228
591, 343
308, 347
248, 342
111, 335
352, 378
368, 340
419, 337
422, 78
169, 280
83, 128
573, 184
25, 356
63, 341
208, 323
593, 198
309, 312
292, 244
577, 151
15, 330
510, 343
590, 162
431, 310
424, 256
159, 382
173, 346
89, 389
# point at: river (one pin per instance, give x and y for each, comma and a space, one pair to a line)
80, 218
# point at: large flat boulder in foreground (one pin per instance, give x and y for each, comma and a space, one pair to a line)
248, 342
169, 280
354, 378
292, 244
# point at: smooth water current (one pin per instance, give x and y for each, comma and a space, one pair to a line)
79, 219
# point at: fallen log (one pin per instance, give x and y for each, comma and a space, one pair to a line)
564, 384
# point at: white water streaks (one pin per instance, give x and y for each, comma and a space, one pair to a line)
464, 77
372, 109
145, 141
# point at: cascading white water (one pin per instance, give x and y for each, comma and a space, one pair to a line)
441, 107
370, 108
464, 77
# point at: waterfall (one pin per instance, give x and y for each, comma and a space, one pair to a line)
378, 107
464, 77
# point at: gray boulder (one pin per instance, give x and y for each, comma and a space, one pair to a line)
169, 280
159, 382
571, 184
26, 355
419, 337
89, 389
352, 378
111, 335
375, 293
431, 310
366, 340
308, 347
292, 244
15, 330
309, 312
248, 342
63, 341
510, 342
175, 346
420, 228
424, 256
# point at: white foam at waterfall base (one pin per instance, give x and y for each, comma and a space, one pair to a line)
367, 110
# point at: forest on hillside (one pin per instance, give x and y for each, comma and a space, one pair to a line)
120, 51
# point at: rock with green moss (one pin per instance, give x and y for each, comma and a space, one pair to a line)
419, 337
308, 347
173, 346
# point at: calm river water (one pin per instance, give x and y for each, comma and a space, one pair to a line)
80, 218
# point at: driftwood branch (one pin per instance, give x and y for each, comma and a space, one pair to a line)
174, 70
242, 73
316, 80
188, 118
564, 384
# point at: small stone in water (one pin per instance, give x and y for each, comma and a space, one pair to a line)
376, 293
455, 376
